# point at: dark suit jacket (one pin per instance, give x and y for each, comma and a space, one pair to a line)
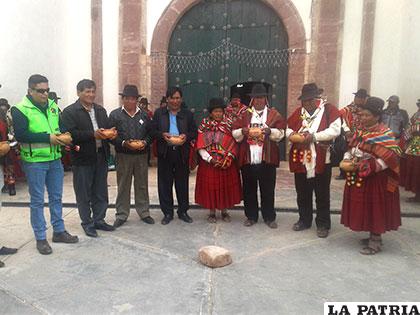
186, 125
77, 121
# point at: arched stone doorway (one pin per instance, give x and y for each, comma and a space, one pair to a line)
219, 43
288, 16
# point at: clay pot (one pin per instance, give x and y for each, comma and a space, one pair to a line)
65, 137
297, 138
255, 132
4, 148
108, 133
176, 140
136, 144
347, 165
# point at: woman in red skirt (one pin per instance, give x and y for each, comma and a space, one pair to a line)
410, 163
217, 184
371, 200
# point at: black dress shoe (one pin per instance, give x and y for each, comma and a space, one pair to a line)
300, 226
118, 223
64, 237
7, 251
148, 220
104, 227
271, 224
322, 232
185, 217
90, 231
43, 247
166, 219
5, 189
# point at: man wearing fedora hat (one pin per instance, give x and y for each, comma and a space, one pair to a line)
318, 123
131, 144
259, 131
394, 117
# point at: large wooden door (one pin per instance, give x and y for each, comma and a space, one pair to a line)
219, 43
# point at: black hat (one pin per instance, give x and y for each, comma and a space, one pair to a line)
235, 95
374, 105
258, 90
362, 93
309, 91
53, 96
394, 99
4, 102
144, 101
130, 90
216, 102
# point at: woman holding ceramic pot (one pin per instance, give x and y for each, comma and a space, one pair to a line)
218, 185
371, 200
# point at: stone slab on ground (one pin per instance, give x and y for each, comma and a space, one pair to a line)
214, 256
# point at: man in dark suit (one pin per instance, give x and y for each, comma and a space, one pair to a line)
174, 129
88, 123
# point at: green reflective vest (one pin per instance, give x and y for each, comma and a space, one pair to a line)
40, 123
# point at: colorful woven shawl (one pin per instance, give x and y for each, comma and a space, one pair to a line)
350, 115
381, 143
216, 138
234, 113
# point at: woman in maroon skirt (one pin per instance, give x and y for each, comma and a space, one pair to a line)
371, 200
410, 163
217, 184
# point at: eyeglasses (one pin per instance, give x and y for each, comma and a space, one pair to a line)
41, 91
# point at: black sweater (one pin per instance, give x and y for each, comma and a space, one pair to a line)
130, 128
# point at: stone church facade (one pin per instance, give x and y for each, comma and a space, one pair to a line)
339, 44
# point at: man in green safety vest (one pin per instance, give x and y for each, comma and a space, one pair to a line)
36, 123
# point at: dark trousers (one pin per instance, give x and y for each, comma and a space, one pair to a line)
305, 188
173, 169
264, 176
91, 188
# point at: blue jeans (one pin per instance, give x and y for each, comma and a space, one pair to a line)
39, 175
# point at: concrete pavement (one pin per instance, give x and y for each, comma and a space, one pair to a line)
153, 269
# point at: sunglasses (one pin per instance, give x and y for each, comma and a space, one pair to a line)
41, 91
